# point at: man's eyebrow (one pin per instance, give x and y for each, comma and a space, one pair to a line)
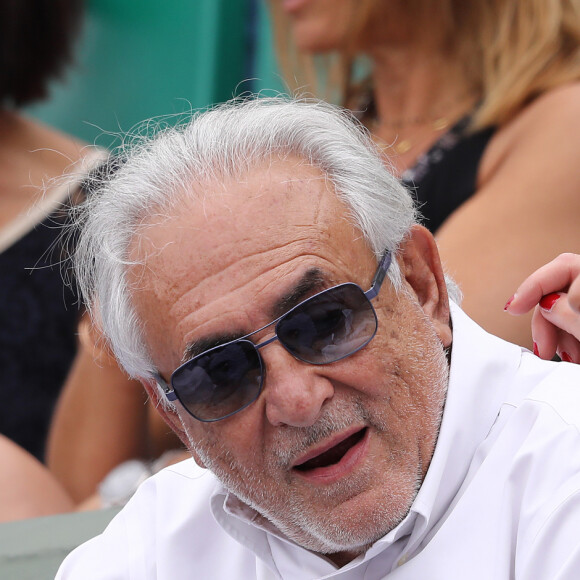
312, 281
197, 347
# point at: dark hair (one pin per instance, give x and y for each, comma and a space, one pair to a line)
36, 39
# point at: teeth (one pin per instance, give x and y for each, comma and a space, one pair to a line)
333, 455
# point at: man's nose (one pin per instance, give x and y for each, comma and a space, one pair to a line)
294, 391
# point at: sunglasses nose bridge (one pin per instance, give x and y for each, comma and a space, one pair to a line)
266, 342
272, 339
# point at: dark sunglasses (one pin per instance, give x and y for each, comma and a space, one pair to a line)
323, 329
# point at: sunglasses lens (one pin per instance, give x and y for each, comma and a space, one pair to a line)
326, 328
219, 382
330, 326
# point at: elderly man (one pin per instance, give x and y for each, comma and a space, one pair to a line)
263, 275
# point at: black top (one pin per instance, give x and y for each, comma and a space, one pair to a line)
38, 319
446, 176
39, 315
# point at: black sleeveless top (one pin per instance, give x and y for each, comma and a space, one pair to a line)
38, 320
39, 315
445, 176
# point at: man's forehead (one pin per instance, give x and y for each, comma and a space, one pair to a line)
275, 203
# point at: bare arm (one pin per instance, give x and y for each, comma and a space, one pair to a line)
27, 488
526, 211
100, 421
554, 292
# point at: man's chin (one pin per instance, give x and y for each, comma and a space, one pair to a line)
350, 527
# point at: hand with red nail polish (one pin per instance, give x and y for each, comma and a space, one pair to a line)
554, 291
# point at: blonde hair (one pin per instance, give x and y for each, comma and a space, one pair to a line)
512, 51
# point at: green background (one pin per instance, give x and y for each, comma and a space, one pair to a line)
139, 59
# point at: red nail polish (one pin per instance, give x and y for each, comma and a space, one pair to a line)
548, 301
507, 304
566, 357
536, 351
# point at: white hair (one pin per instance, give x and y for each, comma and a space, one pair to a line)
220, 144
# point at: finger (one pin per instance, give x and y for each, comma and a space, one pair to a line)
556, 309
574, 295
555, 276
568, 347
544, 335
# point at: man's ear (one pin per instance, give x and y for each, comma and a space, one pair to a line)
422, 269
170, 416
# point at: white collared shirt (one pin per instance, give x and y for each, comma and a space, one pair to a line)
501, 499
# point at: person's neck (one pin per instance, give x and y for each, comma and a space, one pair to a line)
418, 94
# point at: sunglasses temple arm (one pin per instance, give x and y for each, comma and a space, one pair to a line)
380, 274
169, 393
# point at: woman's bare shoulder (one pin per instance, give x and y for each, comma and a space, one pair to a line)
547, 128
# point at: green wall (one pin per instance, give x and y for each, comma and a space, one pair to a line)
138, 59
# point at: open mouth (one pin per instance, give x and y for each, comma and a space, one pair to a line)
333, 455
